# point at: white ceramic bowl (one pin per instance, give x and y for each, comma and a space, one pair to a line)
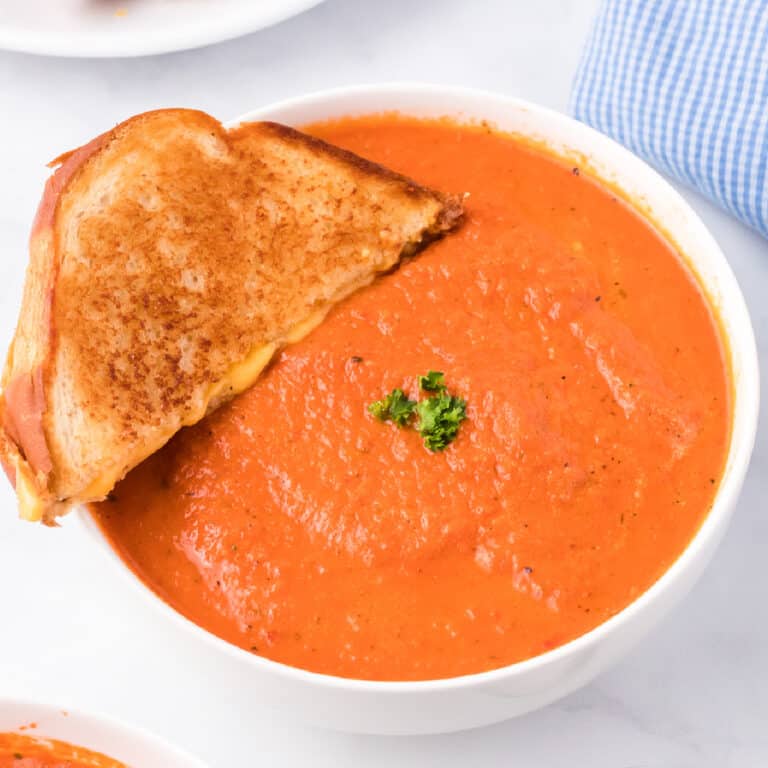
473, 700
132, 746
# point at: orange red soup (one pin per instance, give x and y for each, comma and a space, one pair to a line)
21, 751
293, 524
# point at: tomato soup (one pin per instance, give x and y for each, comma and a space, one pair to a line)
21, 751
295, 525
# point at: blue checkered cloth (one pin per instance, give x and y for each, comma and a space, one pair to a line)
684, 84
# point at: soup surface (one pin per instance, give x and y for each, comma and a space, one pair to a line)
21, 751
296, 526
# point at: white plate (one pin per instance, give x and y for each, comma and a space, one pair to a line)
132, 746
102, 28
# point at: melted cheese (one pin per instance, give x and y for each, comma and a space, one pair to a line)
101, 486
31, 506
238, 378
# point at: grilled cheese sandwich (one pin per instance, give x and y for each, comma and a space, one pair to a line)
169, 261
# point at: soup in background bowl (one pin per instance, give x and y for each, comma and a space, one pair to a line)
611, 389
34, 735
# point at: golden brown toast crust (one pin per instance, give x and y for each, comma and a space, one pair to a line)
163, 253
448, 216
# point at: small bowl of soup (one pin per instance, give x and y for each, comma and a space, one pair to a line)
34, 735
601, 345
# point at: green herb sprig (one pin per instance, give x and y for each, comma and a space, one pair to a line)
394, 407
434, 381
439, 419
439, 416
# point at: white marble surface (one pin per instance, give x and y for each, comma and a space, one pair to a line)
693, 695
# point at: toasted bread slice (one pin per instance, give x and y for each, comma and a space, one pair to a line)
170, 258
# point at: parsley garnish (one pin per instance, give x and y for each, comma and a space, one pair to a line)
439, 416
394, 407
434, 381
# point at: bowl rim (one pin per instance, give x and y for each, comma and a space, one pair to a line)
45, 711
745, 410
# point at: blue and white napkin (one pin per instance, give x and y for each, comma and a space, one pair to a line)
684, 84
